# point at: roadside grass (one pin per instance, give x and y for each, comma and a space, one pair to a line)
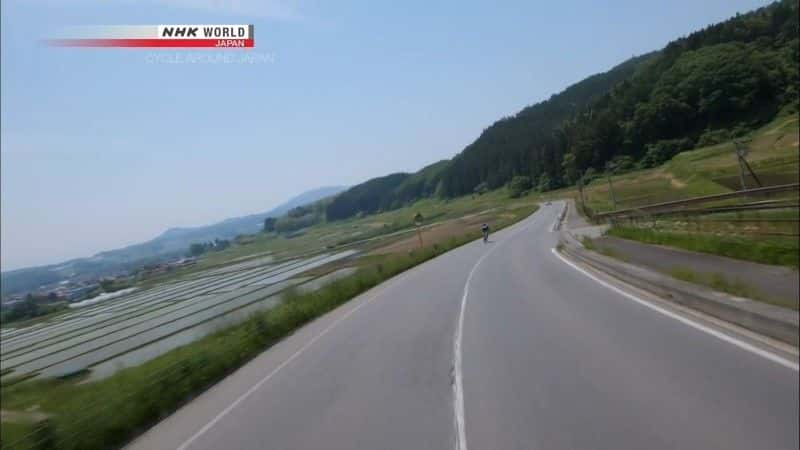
720, 282
684, 274
14, 379
610, 252
109, 412
13, 432
589, 244
777, 223
782, 251
716, 281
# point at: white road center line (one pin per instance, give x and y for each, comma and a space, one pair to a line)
458, 384
718, 334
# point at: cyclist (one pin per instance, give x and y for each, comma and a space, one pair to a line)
485, 231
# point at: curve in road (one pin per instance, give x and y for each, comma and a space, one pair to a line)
495, 346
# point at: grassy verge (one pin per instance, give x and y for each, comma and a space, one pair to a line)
774, 250
716, 281
590, 244
719, 282
107, 413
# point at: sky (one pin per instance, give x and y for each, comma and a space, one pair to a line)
102, 148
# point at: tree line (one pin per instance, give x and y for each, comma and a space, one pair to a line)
297, 218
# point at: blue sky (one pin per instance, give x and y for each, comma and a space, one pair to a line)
107, 147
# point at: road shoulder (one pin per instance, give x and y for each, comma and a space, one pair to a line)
767, 327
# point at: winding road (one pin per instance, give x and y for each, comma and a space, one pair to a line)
495, 346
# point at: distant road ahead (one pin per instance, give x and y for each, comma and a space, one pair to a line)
545, 358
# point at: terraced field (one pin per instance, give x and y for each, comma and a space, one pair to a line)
128, 330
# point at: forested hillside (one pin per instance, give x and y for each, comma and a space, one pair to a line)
370, 196
384, 193
715, 83
532, 142
710, 86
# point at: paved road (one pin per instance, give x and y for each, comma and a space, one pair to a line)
548, 358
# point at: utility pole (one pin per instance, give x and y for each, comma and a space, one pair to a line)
611, 192
580, 190
609, 168
741, 153
418, 222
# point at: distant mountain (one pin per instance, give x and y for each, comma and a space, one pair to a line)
180, 238
173, 242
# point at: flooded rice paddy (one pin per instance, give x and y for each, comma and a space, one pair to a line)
133, 328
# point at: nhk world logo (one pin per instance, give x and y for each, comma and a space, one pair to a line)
159, 36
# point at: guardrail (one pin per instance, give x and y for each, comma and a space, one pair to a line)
690, 214
677, 206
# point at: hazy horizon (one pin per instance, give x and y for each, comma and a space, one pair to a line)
168, 229
112, 147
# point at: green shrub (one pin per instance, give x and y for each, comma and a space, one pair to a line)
545, 184
481, 188
590, 175
663, 151
713, 137
622, 164
518, 186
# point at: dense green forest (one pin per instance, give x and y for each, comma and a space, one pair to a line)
708, 87
373, 195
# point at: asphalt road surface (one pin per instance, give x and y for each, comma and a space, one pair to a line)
497, 346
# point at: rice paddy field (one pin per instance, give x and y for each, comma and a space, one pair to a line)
130, 329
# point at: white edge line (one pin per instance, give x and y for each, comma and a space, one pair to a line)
291, 358
725, 337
